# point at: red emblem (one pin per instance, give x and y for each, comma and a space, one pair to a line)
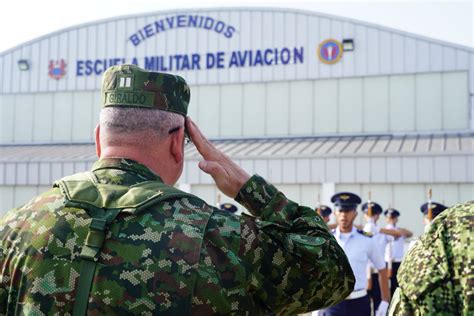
57, 69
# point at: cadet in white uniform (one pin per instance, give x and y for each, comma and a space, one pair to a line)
324, 211
372, 211
394, 252
430, 210
359, 248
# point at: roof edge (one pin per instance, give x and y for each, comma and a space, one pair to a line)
459, 133
277, 9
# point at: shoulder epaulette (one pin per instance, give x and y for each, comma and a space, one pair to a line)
366, 234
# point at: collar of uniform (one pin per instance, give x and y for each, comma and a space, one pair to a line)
126, 164
338, 232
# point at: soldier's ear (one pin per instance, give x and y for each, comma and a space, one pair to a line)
176, 145
97, 140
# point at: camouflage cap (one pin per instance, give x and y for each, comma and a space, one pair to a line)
131, 86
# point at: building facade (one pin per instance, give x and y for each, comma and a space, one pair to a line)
316, 104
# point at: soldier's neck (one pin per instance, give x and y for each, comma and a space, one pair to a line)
345, 229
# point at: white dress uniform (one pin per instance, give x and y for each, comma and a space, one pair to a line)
360, 249
394, 253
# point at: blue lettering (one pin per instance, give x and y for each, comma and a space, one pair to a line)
268, 60
196, 60
181, 20
161, 62
298, 55
233, 60
219, 27
192, 20
159, 26
220, 60
177, 58
135, 61
148, 30
141, 34
229, 32
134, 39
150, 63
89, 69
285, 56
170, 21
98, 63
79, 66
258, 58
210, 60
242, 59
209, 23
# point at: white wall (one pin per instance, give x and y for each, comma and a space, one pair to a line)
423, 102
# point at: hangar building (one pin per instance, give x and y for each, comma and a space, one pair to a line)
315, 103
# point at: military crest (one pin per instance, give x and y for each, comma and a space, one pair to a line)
57, 69
330, 51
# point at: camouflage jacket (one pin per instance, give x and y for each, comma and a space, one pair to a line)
437, 276
283, 259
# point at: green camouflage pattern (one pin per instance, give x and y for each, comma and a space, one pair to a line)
283, 259
131, 86
437, 276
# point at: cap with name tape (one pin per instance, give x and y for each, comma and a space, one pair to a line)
131, 86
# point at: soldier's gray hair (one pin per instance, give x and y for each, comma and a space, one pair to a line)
137, 121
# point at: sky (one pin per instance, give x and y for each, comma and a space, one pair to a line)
446, 20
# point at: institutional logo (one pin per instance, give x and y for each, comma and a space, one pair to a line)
330, 51
57, 69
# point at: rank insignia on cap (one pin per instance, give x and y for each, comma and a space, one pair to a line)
344, 197
125, 82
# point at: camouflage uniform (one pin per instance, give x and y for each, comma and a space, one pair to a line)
437, 276
283, 260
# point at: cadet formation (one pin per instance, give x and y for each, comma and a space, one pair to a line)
120, 239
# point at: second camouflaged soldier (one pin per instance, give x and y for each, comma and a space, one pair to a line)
437, 275
121, 239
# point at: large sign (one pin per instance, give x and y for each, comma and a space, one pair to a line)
181, 21
329, 51
196, 61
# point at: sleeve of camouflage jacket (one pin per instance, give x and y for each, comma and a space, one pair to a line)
298, 265
437, 274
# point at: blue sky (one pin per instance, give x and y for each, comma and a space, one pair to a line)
451, 21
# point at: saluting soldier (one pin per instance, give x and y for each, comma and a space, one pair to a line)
360, 248
122, 240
